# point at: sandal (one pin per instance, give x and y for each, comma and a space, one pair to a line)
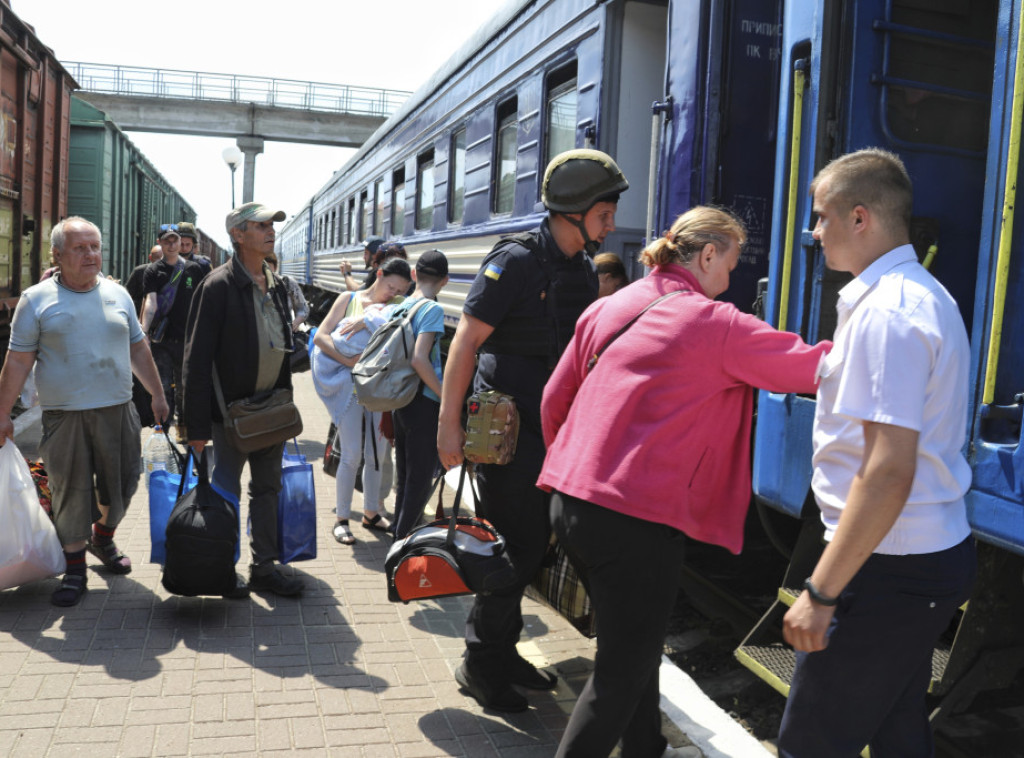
111, 557
375, 524
343, 534
70, 591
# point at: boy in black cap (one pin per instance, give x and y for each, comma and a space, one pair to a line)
416, 424
168, 285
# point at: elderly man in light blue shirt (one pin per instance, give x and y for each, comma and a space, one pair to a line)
80, 332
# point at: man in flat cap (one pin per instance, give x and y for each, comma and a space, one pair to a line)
238, 327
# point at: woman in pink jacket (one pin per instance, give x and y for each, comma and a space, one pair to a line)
650, 443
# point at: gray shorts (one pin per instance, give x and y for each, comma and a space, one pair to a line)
90, 456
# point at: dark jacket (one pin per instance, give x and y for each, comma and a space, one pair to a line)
222, 329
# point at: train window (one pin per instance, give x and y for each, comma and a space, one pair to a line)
425, 190
332, 240
505, 156
365, 218
457, 178
353, 222
378, 205
398, 203
560, 124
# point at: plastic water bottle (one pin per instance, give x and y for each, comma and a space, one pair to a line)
156, 455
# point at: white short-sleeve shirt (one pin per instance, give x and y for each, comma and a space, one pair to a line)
900, 357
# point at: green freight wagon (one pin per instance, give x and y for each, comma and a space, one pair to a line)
112, 184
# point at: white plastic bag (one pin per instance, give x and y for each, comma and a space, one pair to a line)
29, 548
29, 394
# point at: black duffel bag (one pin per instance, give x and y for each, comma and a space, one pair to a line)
299, 357
202, 540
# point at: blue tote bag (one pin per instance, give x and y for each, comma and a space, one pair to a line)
164, 490
296, 509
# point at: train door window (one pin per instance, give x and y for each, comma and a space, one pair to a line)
425, 190
505, 156
378, 205
398, 204
937, 74
457, 179
353, 222
560, 122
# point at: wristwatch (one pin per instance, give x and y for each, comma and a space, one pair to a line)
817, 597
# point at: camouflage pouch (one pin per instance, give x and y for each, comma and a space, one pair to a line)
492, 428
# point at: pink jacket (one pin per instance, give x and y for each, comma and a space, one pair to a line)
660, 430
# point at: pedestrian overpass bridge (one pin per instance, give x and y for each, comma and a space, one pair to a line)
251, 109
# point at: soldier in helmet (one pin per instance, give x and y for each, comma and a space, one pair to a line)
519, 316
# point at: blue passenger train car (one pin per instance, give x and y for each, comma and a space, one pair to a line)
461, 163
940, 84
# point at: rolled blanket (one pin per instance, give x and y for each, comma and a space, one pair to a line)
330, 377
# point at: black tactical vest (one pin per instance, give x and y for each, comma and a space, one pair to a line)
571, 285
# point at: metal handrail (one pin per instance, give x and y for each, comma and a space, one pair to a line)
138, 81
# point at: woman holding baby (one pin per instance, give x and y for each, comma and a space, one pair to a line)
334, 354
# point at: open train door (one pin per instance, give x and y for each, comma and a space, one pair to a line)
718, 144
914, 77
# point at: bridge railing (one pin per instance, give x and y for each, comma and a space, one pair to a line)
197, 85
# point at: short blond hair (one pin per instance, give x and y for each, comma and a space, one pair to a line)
693, 230
874, 178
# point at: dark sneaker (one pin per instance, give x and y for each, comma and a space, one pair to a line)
525, 674
239, 592
498, 696
277, 583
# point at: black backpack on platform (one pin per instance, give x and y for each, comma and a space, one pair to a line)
202, 540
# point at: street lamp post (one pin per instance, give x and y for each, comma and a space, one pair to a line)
233, 157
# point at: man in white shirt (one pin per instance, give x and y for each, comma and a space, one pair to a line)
889, 477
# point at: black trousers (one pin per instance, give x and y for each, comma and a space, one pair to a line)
169, 357
868, 686
511, 501
631, 569
416, 461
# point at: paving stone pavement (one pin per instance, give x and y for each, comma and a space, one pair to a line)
135, 671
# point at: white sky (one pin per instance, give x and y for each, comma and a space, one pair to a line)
395, 44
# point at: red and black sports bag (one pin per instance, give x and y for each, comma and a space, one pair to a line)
458, 555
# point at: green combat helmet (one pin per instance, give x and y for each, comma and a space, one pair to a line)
577, 179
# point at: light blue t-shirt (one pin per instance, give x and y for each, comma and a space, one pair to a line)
429, 318
82, 342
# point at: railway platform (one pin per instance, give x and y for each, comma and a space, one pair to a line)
340, 671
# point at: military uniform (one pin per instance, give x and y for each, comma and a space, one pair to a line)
532, 294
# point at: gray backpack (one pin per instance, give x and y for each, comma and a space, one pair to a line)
384, 377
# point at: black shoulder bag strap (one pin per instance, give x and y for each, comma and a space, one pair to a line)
593, 361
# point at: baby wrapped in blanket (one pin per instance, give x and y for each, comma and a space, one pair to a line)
333, 380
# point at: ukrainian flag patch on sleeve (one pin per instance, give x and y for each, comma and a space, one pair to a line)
493, 272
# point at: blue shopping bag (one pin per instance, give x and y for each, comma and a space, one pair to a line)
296, 509
164, 490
